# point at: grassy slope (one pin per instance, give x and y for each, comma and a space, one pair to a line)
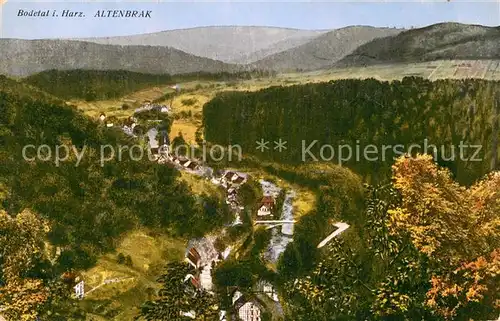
120, 301
202, 92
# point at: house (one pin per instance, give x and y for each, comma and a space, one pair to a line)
194, 258
109, 125
193, 280
226, 178
266, 206
163, 159
206, 278
80, 289
250, 311
239, 180
232, 178
246, 309
232, 197
183, 161
186, 164
234, 204
193, 166
268, 289
164, 150
102, 117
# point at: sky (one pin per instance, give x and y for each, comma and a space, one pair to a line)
167, 15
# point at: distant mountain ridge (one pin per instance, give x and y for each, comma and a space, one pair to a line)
231, 44
26, 57
438, 41
325, 49
250, 48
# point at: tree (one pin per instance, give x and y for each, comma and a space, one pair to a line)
427, 248
457, 230
175, 298
179, 145
495, 133
233, 273
444, 220
172, 297
23, 296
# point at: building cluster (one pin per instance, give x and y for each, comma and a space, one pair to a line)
231, 181
244, 307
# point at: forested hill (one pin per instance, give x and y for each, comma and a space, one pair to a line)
112, 84
325, 49
87, 205
23, 89
439, 41
358, 113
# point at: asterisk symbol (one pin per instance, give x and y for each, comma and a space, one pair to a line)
262, 145
280, 145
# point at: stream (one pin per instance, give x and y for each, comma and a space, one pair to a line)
281, 237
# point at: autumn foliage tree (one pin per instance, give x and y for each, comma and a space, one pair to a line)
21, 246
457, 229
426, 249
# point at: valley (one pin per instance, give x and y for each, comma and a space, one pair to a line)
185, 233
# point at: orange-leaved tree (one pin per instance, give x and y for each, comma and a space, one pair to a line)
21, 245
458, 229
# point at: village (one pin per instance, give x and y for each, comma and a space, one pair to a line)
201, 254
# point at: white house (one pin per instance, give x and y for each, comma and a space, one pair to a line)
268, 289
80, 290
249, 312
266, 206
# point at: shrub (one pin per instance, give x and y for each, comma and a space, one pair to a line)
120, 258
189, 101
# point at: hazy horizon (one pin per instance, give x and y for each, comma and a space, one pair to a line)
169, 16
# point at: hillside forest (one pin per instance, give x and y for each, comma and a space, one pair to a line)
424, 236
440, 115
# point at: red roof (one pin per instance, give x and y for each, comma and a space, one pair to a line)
194, 256
195, 282
267, 200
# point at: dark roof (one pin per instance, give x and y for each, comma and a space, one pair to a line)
239, 180
192, 165
229, 175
